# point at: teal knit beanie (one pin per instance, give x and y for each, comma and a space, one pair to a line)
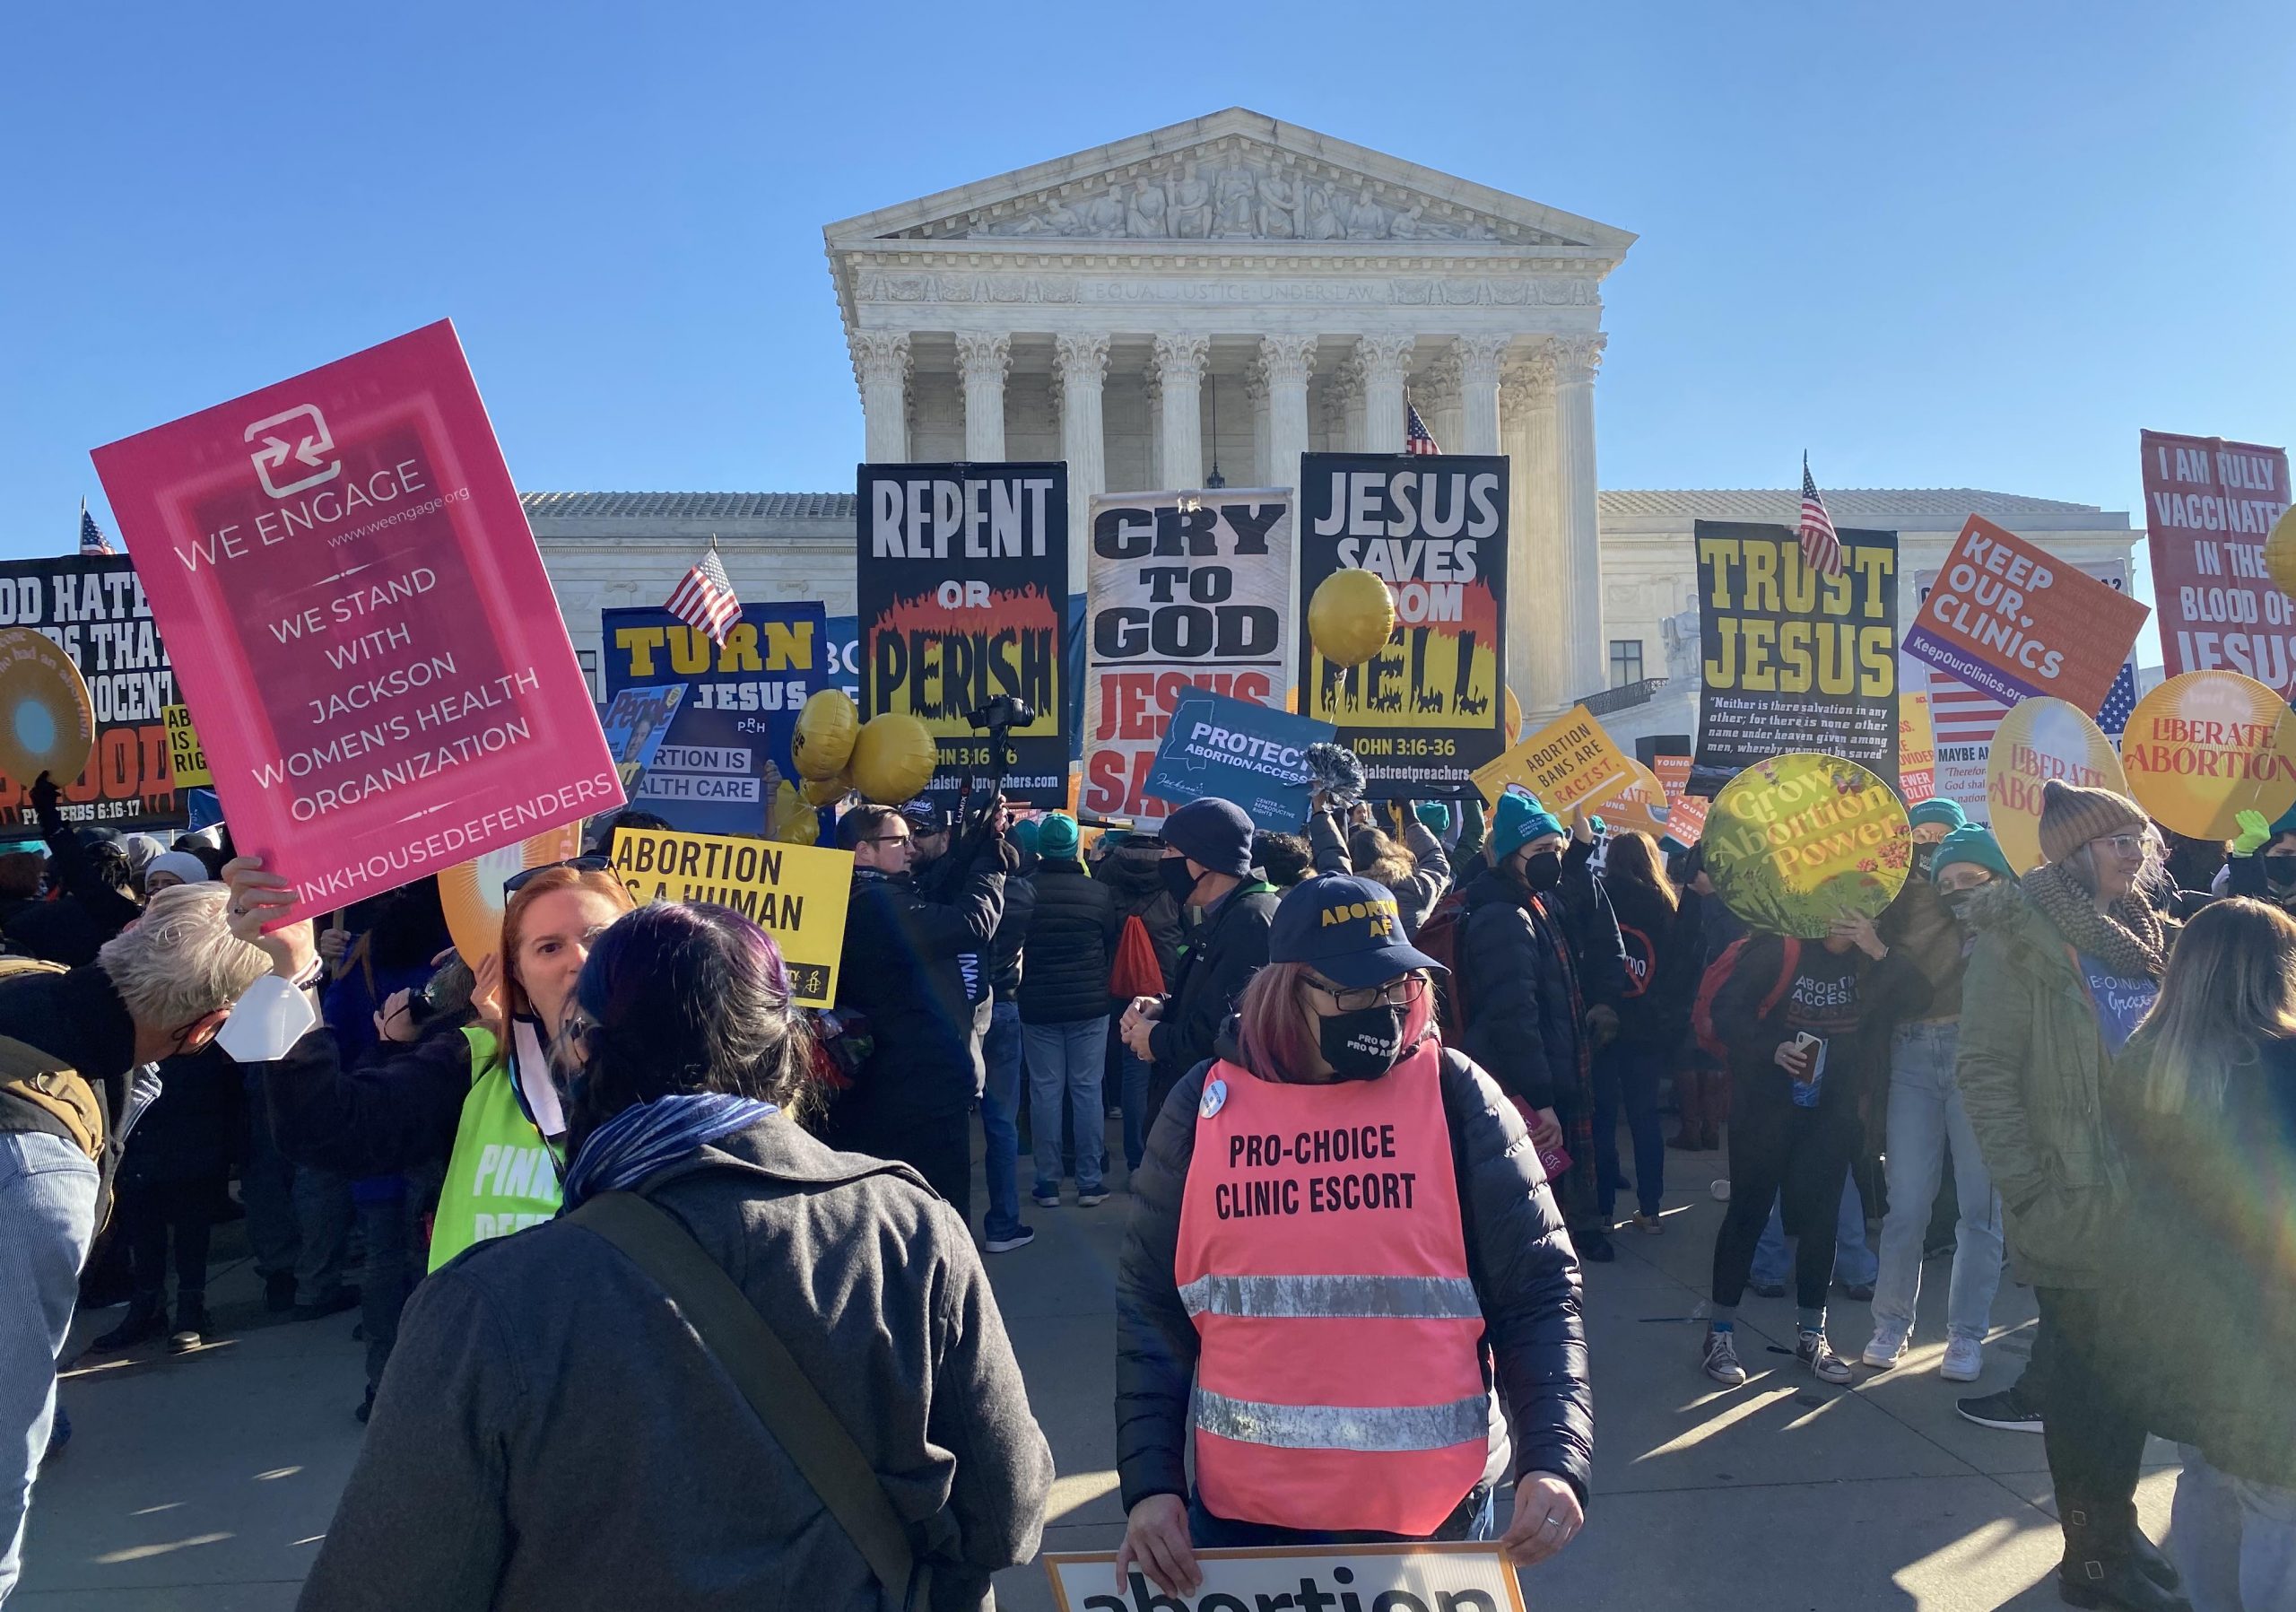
1518, 820
1972, 842
1938, 808
1057, 837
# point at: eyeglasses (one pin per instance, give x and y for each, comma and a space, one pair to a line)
1394, 993
519, 881
889, 840
2124, 845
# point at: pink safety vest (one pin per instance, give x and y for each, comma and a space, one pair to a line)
1340, 1384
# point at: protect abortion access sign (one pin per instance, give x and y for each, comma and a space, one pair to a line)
1236, 750
360, 622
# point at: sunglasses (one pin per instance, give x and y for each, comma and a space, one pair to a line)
519, 881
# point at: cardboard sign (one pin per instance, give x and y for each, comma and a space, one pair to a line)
471, 894
2007, 618
359, 617
1794, 660
636, 722
93, 608
797, 894
1797, 842
1235, 750
1374, 1578
728, 748
1187, 591
1427, 710
1917, 747
960, 579
1570, 763
2205, 747
2039, 740
2209, 507
185, 757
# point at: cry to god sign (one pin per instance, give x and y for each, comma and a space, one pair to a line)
1795, 843
797, 894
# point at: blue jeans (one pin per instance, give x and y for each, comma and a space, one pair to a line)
1066, 1061
1132, 1095
1000, 1112
1628, 1077
1854, 1264
1926, 1118
47, 1219
2235, 1540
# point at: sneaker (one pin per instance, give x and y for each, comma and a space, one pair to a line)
1092, 1199
333, 1302
191, 1327
1045, 1200
1813, 1351
2007, 1410
1021, 1237
1766, 1289
1649, 1225
1885, 1349
1720, 1189
1722, 1358
1964, 1360
144, 1319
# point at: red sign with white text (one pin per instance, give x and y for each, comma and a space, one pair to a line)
361, 622
2209, 505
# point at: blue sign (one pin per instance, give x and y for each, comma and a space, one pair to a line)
1233, 750
842, 655
728, 748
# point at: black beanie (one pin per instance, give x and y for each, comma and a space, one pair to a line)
1217, 833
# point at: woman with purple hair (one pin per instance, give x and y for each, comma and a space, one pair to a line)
553, 1429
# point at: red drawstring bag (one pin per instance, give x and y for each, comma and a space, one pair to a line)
1135, 972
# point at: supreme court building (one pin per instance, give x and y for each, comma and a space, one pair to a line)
1199, 306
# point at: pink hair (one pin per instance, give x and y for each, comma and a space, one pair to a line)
1273, 1038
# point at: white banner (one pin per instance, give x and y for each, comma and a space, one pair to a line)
1344, 1578
1184, 591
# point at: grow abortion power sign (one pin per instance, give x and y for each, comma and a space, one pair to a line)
360, 621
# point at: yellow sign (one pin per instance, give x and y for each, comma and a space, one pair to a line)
1570, 763
797, 894
1797, 842
2039, 740
1917, 747
1639, 803
48, 724
184, 753
2205, 747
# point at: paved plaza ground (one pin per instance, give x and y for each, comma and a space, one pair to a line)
204, 1483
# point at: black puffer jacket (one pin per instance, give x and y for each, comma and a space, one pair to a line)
1129, 871
1518, 1256
1007, 958
1072, 937
1520, 1026
1223, 953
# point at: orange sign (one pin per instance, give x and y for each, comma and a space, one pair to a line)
1639, 803
2010, 619
1674, 772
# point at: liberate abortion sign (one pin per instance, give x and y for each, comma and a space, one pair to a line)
360, 622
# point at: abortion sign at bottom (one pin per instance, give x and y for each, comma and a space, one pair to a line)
797, 894
1315, 1578
1234, 750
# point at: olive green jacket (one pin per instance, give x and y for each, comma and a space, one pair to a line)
2033, 1069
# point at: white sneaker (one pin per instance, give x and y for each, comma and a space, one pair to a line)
1885, 1349
1964, 1360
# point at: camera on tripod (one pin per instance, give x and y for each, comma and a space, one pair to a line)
997, 718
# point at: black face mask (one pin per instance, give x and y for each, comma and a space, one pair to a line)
1362, 1045
2280, 871
1543, 870
1177, 880
1923, 855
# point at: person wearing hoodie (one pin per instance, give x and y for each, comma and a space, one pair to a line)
1654, 1024
1127, 865
1934, 920
2059, 980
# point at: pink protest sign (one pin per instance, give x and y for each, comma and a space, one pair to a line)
361, 622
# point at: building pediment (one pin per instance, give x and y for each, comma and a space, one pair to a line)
1233, 177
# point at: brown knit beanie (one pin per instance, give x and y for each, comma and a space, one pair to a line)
2072, 816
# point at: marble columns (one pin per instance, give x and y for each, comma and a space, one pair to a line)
982, 359
880, 364
1577, 537
1081, 364
1178, 365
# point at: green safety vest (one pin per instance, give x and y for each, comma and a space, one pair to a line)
501, 1177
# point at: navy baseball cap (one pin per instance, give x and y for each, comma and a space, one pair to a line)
1347, 929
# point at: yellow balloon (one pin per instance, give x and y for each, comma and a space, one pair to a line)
2279, 553
823, 741
1350, 616
2205, 747
893, 758
825, 791
793, 822
2039, 740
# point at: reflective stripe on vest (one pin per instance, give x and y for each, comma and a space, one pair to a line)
1340, 1382
501, 1177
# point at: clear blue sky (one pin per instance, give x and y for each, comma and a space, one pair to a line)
1956, 243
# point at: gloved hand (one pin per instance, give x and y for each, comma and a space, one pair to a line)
1602, 1025
2254, 833
1434, 816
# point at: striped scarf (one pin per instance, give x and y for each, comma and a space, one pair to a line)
648, 1136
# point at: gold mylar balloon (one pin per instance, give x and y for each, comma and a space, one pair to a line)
893, 758
826, 728
1350, 616
2280, 553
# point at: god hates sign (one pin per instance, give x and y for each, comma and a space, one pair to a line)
359, 617
1187, 591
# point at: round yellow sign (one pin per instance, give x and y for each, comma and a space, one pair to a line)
1640, 802
2205, 747
472, 892
47, 723
1797, 842
1514, 720
2039, 740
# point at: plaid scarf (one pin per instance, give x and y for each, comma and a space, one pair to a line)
2130, 941
648, 1136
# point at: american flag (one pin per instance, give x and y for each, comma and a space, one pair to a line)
704, 599
93, 540
1820, 549
1415, 439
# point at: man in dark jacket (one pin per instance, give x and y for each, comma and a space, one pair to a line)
1003, 1079
93, 879
903, 973
1207, 867
1065, 1011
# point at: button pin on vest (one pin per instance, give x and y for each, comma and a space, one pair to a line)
1215, 1098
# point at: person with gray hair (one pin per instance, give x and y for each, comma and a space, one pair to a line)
71, 1041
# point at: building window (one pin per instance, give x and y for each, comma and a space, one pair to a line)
590, 662
1626, 661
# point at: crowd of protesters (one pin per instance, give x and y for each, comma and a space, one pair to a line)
2082, 1078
